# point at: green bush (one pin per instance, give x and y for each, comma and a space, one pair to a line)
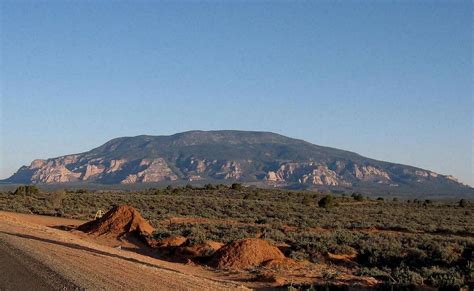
56, 198
357, 197
236, 186
26, 190
404, 276
450, 278
326, 202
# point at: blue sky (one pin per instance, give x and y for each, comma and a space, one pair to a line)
388, 80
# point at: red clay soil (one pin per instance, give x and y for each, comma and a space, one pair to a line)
118, 221
342, 257
280, 263
200, 250
244, 254
172, 241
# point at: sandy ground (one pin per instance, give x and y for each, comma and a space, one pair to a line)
35, 254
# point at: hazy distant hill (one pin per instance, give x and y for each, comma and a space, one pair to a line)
258, 157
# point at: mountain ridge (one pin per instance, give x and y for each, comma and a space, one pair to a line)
265, 158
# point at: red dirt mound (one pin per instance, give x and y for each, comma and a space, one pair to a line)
201, 250
246, 253
118, 221
172, 241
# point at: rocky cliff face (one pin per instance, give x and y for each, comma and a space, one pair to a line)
75, 168
340, 174
230, 156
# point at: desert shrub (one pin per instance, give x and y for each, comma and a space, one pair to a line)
273, 234
341, 249
357, 197
56, 198
440, 253
220, 232
462, 203
326, 202
163, 232
236, 186
306, 201
380, 250
404, 276
298, 255
383, 275
26, 190
195, 234
209, 187
175, 191
415, 257
443, 278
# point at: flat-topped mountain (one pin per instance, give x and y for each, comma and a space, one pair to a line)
227, 156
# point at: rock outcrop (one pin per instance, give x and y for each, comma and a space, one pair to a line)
156, 170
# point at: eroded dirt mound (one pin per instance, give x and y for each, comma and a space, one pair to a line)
205, 249
246, 253
118, 221
171, 241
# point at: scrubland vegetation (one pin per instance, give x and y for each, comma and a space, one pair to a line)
401, 242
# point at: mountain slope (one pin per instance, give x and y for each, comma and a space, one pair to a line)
257, 157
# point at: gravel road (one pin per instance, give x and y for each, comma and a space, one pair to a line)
36, 257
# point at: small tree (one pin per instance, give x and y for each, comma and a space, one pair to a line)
326, 202
236, 186
357, 197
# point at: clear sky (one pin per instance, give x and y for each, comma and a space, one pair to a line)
391, 80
